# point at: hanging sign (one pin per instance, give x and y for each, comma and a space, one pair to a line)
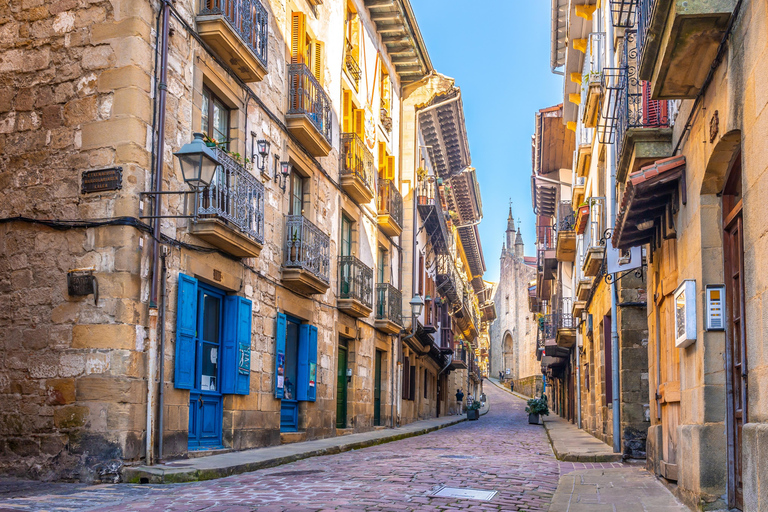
621, 260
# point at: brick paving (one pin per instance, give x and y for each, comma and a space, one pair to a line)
499, 452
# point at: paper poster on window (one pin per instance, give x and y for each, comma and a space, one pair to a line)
280, 370
244, 359
207, 383
312, 374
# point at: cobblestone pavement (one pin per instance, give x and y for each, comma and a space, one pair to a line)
500, 452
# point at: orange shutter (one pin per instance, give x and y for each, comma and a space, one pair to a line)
347, 112
360, 122
298, 37
382, 159
390, 168
317, 60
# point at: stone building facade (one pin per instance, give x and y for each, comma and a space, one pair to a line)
266, 308
513, 333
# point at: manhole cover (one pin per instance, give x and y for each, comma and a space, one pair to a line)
468, 494
299, 472
457, 457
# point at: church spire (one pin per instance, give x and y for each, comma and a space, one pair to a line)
510, 228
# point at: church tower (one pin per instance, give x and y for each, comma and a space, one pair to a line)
519, 246
510, 230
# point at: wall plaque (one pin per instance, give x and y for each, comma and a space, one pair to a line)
102, 180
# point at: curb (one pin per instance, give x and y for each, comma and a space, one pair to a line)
172, 475
571, 457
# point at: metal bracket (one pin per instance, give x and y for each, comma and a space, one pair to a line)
154, 195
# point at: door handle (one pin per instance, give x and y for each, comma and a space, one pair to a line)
200, 401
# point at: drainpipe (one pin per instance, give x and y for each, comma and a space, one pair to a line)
161, 398
158, 186
611, 169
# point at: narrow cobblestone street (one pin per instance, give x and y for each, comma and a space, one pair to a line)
499, 452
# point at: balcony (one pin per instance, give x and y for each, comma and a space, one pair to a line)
307, 266
355, 287
430, 205
309, 111
566, 324
533, 299
591, 82
230, 211
583, 289
237, 31
678, 42
357, 177
449, 283
390, 208
566, 232
594, 238
643, 133
389, 309
467, 317
351, 65
488, 311
460, 359
547, 252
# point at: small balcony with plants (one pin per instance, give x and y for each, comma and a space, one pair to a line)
357, 176
309, 110
237, 31
390, 208
355, 287
566, 232
594, 237
307, 266
229, 213
460, 358
591, 81
389, 309
678, 42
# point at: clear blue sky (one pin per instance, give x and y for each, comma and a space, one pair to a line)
498, 52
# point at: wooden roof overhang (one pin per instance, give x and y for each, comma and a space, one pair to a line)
396, 24
442, 124
650, 193
473, 250
464, 198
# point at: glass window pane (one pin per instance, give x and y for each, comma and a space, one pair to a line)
291, 359
207, 128
211, 306
210, 367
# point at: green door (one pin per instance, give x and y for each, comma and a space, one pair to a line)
341, 389
377, 390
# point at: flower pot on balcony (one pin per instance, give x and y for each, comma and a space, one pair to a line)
533, 419
581, 219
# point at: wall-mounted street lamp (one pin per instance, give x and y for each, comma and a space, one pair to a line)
282, 177
198, 162
417, 304
262, 147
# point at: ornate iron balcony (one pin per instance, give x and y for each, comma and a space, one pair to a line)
448, 282
353, 68
389, 303
355, 280
566, 217
565, 318
307, 247
390, 201
308, 98
356, 160
234, 195
248, 18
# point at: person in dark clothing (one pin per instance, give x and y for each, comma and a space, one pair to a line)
511, 385
459, 395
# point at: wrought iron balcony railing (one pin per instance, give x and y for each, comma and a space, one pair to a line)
234, 195
431, 209
247, 17
594, 231
390, 201
355, 280
549, 326
635, 109
353, 68
645, 11
623, 13
307, 247
389, 303
545, 238
448, 282
565, 318
356, 160
308, 98
566, 217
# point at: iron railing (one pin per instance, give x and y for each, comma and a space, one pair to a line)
390, 201
248, 18
353, 68
448, 282
595, 228
355, 280
623, 13
549, 326
564, 316
645, 11
389, 303
636, 109
307, 247
592, 71
234, 195
566, 217
356, 160
308, 98
460, 354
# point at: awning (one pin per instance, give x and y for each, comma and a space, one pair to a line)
470, 241
649, 193
442, 123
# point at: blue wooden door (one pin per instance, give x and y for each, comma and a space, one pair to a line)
205, 400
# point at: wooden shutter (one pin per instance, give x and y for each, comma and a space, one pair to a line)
412, 390
318, 51
406, 380
607, 354
359, 122
302, 376
186, 332
654, 111
280, 332
382, 159
390, 168
298, 37
236, 346
312, 390
347, 107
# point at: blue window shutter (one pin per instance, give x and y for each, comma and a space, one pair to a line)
312, 393
280, 355
186, 332
228, 356
302, 377
243, 362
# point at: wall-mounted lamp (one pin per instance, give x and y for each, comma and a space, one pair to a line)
262, 146
417, 303
198, 162
282, 177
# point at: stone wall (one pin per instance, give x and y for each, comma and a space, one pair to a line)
529, 386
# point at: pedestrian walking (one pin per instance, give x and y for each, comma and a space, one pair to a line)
460, 399
512, 385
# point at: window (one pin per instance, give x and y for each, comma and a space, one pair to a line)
421, 274
295, 359
426, 381
412, 384
406, 378
304, 48
345, 269
215, 117
297, 194
386, 163
381, 265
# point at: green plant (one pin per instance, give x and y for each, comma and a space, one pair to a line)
474, 406
538, 406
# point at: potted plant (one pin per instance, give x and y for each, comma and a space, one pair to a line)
581, 218
473, 410
537, 407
